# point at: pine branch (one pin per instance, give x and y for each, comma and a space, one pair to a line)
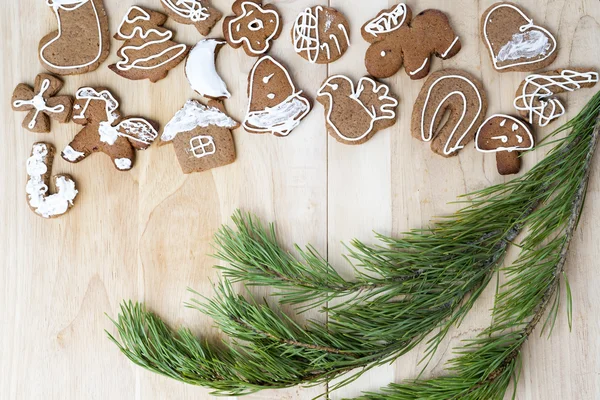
486, 366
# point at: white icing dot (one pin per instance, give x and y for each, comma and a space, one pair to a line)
271, 96
383, 54
515, 127
123, 163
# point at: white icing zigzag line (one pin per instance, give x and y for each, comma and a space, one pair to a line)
388, 21
388, 110
58, 4
244, 14
427, 137
523, 28
301, 104
190, 9
125, 65
37, 191
544, 91
513, 148
40, 104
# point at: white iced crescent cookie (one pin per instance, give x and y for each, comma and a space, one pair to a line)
201, 71
282, 118
39, 104
427, 133
536, 96
532, 42
43, 203
70, 5
387, 109
126, 64
189, 9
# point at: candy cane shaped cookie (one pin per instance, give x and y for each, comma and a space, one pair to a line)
458, 93
535, 97
39, 168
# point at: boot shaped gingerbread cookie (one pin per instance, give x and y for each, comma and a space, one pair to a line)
42, 103
82, 41
148, 51
104, 130
397, 38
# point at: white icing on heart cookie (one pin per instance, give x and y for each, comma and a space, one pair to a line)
532, 44
40, 201
201, 71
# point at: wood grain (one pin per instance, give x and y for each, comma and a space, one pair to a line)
145, 234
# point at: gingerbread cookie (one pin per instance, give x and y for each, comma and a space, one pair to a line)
253, 27
193, 12
535, 99
39, 167
106, 131
321, 34
201, 136
42, 103
507, 137
458, 93
274, 104
397, 38
354, 115
201, 70
514, 42
148, 51
82, 41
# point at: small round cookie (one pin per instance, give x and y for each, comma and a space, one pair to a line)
321, 34
253, 27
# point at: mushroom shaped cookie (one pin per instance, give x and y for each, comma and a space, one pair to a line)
506, 136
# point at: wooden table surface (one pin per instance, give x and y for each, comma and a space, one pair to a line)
146, 234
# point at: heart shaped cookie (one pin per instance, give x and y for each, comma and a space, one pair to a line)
515, 43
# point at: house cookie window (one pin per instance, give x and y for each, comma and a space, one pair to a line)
202, 146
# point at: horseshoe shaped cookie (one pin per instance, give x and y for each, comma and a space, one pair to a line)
458, 93
514, 42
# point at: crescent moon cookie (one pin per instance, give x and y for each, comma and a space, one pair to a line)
193, 12
82, 41
506, 136
201, 136
105, 130
535, 99
39, 168
321, 34
354, 114
397, 38
42, 104
514, 42
253, 27
148, 51
274, 104
201, 70
449, 91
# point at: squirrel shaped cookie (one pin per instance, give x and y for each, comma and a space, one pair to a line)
253, 27
193, 12
148, 51
275, 106
514, 42
354, 115
201, 136
42, 104
536, 98
39, 168
398, 39
449, 91
106, 131
82, 41
506, 136
321, 34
